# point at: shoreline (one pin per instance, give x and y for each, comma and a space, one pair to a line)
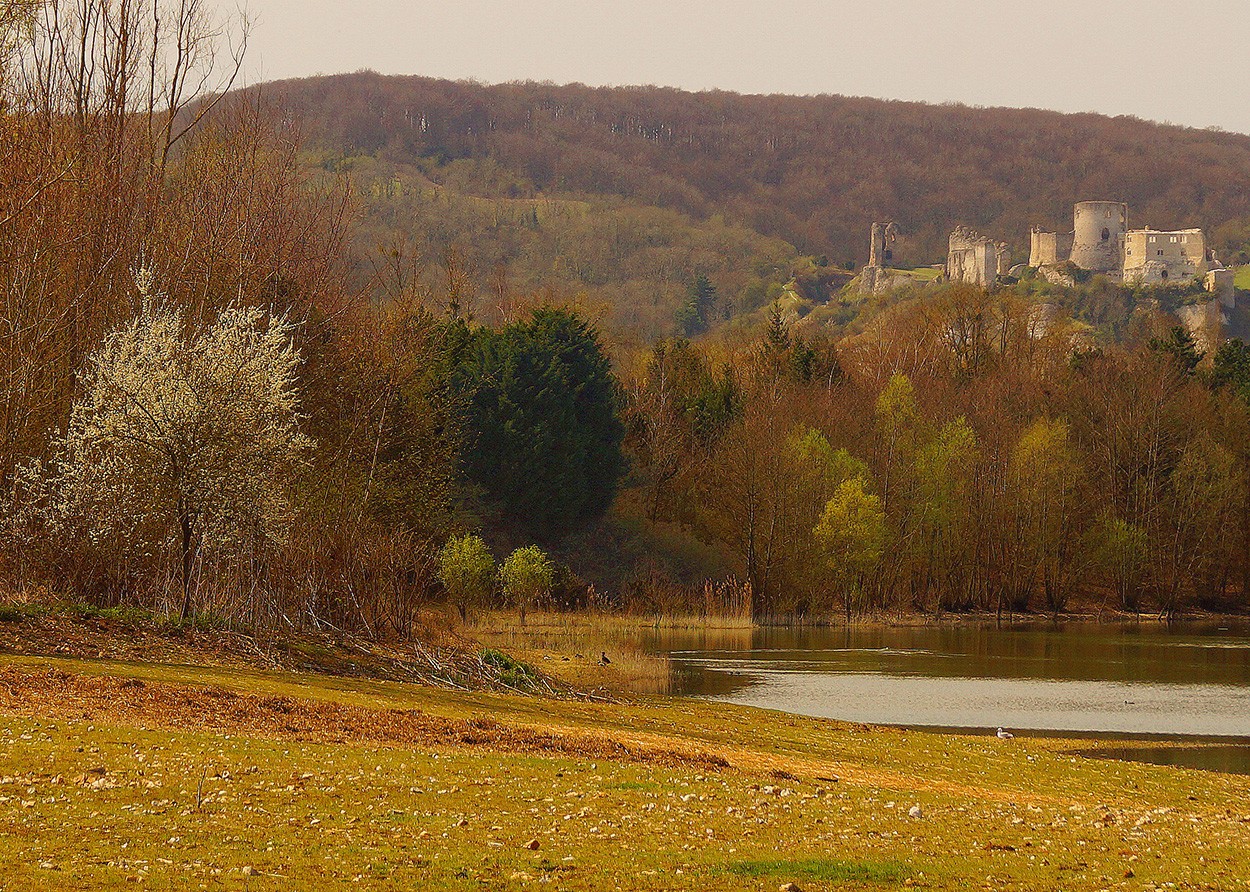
287, 780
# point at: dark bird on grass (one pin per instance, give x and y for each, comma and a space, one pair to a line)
603, 659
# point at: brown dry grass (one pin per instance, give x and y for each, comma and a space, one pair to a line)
52, 693
440, 655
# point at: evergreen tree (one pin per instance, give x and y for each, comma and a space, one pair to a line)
1232, 367
777, 338
544, 438
695, 315
1178, 346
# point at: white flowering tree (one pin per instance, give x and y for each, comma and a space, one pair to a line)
184, 439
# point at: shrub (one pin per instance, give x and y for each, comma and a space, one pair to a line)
526, 578
466, 568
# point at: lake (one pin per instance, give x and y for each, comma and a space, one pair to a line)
1133, 679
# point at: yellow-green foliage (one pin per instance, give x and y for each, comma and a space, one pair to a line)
526, 577
466, 568
852, 529
813, 453
1043, 459
944, 469
896, 405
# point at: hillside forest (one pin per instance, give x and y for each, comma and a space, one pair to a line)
329, 354
625, 196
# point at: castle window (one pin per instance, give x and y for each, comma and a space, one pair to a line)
1184, 239
1152, 240
1160, 252
1163, 275
1106, 234
1173, 239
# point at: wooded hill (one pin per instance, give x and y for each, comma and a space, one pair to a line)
735, 187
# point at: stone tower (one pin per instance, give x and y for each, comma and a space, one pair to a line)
1098, 235
884, 235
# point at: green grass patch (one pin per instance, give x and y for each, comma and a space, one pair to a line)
512, 672
1243, 277
16, 613
923, 273
823, 870
12, 613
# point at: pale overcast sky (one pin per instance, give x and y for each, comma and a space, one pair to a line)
1167, 60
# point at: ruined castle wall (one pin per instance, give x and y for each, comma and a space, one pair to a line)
1152, 257
1002, 257
976, 259
1042, 248
973, 263
1222, 283
1049, 248
880, 253
1098, 230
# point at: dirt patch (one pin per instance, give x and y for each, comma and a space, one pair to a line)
55, 694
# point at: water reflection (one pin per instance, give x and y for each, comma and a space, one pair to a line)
1225, 759
1143, 678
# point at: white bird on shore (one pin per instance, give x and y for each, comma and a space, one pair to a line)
1004, 735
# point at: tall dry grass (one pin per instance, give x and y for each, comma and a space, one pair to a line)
571, 644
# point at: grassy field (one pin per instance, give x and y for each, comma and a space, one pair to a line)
115, 774
1243, 277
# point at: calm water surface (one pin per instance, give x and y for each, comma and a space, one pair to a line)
1135, 680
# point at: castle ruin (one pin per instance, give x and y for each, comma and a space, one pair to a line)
876, 278
1101, 242
1153, 257
976, 259
880, 254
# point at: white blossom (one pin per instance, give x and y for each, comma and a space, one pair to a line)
184, 439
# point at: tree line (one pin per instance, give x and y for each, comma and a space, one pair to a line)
205, 411
200, 413
955, 456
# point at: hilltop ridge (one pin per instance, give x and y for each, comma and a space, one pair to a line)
737, 187
827, 165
